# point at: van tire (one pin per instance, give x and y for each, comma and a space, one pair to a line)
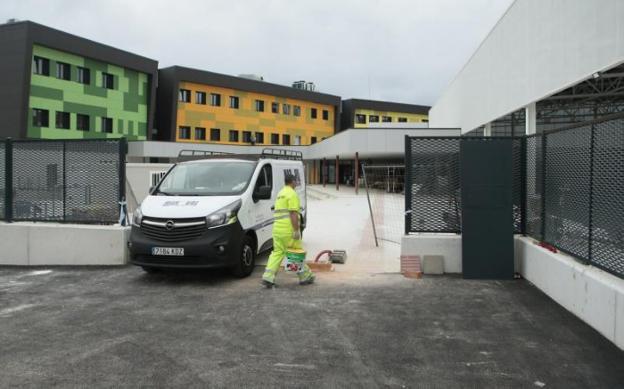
246, 258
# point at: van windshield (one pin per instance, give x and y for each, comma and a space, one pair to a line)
208, 178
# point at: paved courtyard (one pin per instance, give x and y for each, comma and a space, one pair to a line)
83, 327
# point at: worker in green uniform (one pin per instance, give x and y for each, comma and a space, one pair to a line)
286, 234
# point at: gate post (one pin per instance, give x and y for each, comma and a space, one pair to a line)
8, 180
408, 185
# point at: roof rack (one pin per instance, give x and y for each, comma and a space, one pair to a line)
282, 154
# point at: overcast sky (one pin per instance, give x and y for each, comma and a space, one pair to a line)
396, 50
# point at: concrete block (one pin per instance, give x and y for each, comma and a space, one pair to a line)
447, 246
619, 319
13, 244
62, 244
433, 264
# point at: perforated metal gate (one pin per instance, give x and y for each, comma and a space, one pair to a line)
79, 181
568, 187
432, 196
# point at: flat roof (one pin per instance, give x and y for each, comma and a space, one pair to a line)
63, 41
388, 106
180, 73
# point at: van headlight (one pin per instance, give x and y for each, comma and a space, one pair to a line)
224, 216
137, 217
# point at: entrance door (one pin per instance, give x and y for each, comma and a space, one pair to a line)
487, 212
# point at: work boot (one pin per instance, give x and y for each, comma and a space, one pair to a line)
307, 281
268, 284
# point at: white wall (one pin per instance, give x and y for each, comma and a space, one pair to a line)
539, 47
369, 143
138, 181
32, 244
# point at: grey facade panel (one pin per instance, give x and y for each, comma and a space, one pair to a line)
14, 74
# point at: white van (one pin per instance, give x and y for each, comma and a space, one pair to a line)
213, 212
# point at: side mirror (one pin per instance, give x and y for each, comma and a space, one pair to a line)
262, 193
151, 189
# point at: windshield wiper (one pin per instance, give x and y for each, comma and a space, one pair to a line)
163, 193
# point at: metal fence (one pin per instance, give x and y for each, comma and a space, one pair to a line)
567, 189
77, 181
575, 186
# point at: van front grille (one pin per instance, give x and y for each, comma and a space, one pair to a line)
173, 230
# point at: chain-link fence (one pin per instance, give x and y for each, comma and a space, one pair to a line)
385, 188
77, 181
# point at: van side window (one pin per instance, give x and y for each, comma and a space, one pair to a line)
265, 178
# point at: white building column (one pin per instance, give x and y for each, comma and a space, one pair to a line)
530, 119
487, 129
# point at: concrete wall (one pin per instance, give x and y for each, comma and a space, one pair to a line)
31, 244
538, 48
138, 182
593, 295
446, 245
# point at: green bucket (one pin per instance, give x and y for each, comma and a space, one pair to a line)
294, 259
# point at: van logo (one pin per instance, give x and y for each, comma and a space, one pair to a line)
170, 225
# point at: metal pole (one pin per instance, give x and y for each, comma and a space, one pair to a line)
64, 182
370, 208
337, 175
357, 172
8, 180
408, 185
590, 235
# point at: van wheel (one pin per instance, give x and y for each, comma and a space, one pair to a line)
246, 259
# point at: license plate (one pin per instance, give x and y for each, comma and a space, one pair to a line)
168, 251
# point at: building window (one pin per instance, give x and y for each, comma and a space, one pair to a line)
82, 122
40, 117
63, 71
233, 135
62, 120
275, 107
373, 119
200, 98
200, 133
386, 119
297, 140
325, 114
285, 139
260, 137
425, 120
402, 120
274, 139
41, 66
360, 119
297, 110
108, 81
286, 109
259, 105
184, 95
84, 75
246, 136
215, 99
313, 113
215, 134
184, 132
313, 141
107, 125
234, 102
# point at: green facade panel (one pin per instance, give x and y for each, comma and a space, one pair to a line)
126, 104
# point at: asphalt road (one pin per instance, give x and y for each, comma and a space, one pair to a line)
106, 327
